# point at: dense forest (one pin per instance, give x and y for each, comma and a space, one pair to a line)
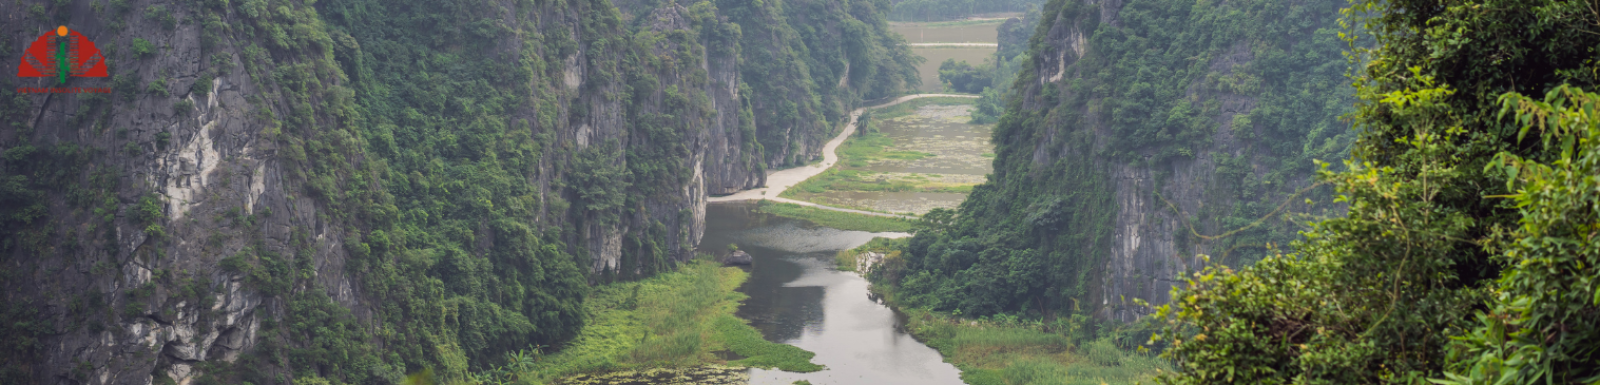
1456, 245
1468, 255
353, 190
513, 191
1221, 107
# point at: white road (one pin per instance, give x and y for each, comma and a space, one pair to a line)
781, 180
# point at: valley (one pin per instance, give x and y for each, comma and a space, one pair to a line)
799, 192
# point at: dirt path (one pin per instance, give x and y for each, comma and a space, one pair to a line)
953, 44
782, 180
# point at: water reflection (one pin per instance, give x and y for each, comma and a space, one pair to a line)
796, 298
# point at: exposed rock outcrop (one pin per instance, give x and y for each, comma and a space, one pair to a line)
738, 258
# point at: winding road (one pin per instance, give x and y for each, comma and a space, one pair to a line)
781, 180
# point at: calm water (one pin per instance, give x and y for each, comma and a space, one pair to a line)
797, 298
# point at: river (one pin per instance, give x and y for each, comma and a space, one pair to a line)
797, 298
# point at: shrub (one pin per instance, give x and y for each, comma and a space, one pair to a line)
142, 48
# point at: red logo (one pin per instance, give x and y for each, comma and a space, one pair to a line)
61, 54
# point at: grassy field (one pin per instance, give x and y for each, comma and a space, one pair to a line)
1015, 353
682, 319
867, 147
838, 220
858, 150
910, 107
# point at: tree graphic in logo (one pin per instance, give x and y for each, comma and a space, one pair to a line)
61, 54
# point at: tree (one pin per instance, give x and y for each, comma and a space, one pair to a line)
963, 77
1377, 296
1544, 324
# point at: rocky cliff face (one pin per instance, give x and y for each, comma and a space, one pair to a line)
1142, 135
300, 190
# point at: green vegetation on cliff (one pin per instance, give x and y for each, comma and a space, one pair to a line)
1468, 255
1147, 93
459, 164
816, 59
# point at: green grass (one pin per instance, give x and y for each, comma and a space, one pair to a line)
861, 149
1000, 353
849, 260
846, 260
836, 219
677, 319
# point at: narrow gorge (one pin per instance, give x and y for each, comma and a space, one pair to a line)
798, 192
358, 190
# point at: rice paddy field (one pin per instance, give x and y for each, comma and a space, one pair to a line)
980, 31
983, 31
914, 157
929, 70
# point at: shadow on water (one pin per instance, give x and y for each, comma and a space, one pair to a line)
797, 298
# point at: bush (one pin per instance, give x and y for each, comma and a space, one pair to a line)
160, 14
157, 87
202, 86
142, 48
1378, 295
963, 77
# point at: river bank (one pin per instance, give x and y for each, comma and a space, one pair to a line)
894, 227
677, 324
1008, 351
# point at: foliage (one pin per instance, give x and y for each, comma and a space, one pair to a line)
1007, 351
142, 48
787, 56
850, 260
673, 319
1013, 37
1377, 296
1542, 324
1146, 93
838, 219
963, 77
433, 139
